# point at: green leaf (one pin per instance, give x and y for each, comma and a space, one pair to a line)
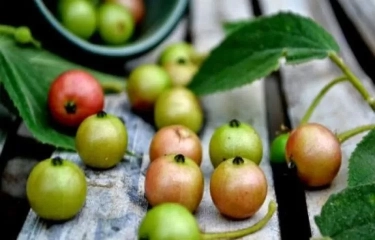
349, 214
362, 161
255, 49
230, 27
26, 74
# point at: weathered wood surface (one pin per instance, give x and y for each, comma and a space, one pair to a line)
115, 202
246, 104
341, 109
362, 14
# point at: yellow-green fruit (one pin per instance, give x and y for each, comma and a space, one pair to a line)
178, 52
181, 74
56, 189
101, 140
146, 82
235, 139
178, 105
78, 16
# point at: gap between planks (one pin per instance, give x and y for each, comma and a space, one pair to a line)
250, 108
246, 103
341, 109
361, 12
114, 205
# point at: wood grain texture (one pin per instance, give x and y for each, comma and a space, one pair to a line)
362, 13
113, 206
341, 109
115, 202
246, 104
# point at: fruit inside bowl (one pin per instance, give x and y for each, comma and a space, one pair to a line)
113, 28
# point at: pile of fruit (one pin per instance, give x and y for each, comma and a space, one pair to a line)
174, 181
161, 88
114, 21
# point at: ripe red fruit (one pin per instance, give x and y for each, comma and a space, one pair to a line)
176, 139
174, 178
238, 188
73, 96
316, 152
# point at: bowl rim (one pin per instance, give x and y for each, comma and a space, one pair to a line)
118, 51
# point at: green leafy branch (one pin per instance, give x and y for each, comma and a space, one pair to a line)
252, 50
26, 71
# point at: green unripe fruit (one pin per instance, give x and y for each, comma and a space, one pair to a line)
115, 23
179, 52
101, 140
277, 150
79, 17
235, 139
178, 105
169, 221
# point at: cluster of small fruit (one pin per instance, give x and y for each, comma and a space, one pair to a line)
76, 102
161, 88
238, 186
57, 188
313, 150
115, 21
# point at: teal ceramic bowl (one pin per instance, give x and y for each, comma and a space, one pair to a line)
160, 19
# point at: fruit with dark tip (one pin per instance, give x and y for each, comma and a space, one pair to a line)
315, 151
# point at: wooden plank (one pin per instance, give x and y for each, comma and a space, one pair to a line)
362, 14
341, 109
246, 104
115, 203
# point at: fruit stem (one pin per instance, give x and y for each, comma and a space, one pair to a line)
234, 123
57, 161
130, 153
238, 160
101, 114
352, 132
319, 97
10, 30
5, 29
181, 61
353, 79
113, 86
272, 206
70, 107
179, 158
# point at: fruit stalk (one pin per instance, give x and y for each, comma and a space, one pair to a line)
5, 29
319, 97
10, 30
353, 79
352, 132
57, 161
112, 86
272, 206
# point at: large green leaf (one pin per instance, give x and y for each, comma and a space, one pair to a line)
230, 27
26, 74
254, 50
362, 162
349, 215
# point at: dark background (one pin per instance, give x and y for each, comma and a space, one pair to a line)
290, 196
